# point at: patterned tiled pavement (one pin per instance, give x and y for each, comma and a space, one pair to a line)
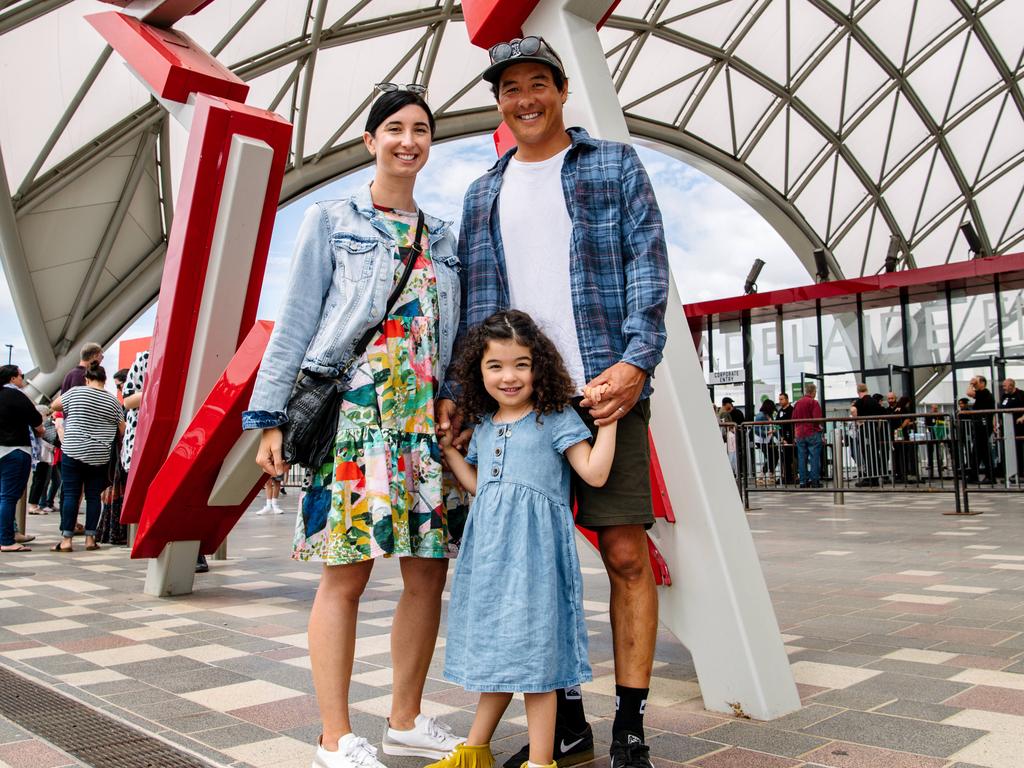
905, 629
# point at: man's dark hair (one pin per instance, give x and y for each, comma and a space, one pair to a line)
388, 103
96, 373
7, 373
982, 380
556, 77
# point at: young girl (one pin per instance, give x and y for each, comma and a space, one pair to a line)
515, 622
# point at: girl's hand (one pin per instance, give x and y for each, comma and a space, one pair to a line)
269, 457
593, 394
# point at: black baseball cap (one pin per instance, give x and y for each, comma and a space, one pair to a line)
520, 51
727, 401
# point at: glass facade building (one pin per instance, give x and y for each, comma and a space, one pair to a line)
922, 333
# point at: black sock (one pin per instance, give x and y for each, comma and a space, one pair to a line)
570, 709
630, 704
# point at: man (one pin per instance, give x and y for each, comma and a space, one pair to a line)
90, 355
20, 425
566, 228
870, 434
977, 389
808, 438
730, 412
1014, 398
784, 412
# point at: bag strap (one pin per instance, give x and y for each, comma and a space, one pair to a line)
409, 256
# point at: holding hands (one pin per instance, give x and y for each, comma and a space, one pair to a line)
612, 394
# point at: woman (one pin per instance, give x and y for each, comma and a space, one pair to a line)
18, 419
92, 420
766, 440
380, 493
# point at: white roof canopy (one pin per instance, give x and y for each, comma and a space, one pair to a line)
844, 123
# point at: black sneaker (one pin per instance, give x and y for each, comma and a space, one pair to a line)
571, 748
629, 751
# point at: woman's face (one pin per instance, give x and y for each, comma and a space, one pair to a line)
401, 144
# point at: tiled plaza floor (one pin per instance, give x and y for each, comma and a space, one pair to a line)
905, 630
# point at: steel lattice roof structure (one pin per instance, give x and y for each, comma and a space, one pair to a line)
845, 124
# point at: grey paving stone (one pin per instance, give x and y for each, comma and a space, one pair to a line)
916, 736
919, 710
893, 685
197, 679
763, 739
812, 713
233, 735
679, 749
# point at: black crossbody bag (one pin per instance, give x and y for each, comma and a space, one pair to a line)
312, 410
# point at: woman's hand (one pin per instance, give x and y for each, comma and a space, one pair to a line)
269, 455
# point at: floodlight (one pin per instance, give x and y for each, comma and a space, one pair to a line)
973, 241
892, 258
821, 265
750, 286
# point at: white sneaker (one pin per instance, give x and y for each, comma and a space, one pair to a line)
428, 738
276, 508
265, 511
353, 752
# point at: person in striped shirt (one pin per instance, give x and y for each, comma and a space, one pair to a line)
93, 419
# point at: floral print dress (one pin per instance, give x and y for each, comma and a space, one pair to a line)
385, 492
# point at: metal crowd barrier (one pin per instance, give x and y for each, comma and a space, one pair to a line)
908, 453
991, 451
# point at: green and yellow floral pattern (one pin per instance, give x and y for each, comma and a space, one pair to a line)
385, 491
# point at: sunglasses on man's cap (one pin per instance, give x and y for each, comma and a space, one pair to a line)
518, 50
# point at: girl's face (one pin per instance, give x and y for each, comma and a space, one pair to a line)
401, 144
507, 369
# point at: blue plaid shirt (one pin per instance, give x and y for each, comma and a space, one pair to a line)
618, 259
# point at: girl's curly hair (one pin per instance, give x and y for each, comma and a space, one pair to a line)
552, 386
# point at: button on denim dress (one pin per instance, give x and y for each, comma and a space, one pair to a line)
515, 620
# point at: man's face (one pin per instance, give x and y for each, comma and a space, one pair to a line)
783, 401
1009, 386
891, 399
19, 380
726, 407
530, 104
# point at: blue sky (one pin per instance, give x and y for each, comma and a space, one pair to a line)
713, 236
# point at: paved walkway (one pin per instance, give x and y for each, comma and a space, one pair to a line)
905, 629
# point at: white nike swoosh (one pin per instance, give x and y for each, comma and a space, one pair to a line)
566, 747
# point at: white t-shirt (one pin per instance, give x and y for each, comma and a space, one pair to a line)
536, 232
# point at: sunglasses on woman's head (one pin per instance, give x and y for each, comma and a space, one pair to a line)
417, 88
525, 46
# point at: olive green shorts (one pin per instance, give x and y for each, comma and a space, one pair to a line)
626, 498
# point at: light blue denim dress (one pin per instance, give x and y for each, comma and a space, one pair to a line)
515, 620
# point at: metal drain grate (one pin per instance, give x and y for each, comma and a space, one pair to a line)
81, 731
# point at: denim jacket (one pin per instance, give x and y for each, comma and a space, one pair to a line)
341, 276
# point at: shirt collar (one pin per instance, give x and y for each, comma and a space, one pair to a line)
578, 136
363, 203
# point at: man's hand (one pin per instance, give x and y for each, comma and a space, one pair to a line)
269, 455
625, 383
449, 421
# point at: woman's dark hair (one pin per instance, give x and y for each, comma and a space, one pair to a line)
388, 103
768, 407
96, 373
8, 372
121, 375
552, 387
